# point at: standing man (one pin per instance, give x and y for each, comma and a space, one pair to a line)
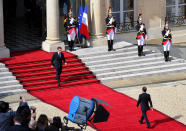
56, 61
110, 31
144, 100
141, 35
167, 41
70, 24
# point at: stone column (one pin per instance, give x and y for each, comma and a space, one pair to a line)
154, 12
4, 52
53, 39
97, 12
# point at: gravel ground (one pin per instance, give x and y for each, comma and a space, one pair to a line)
169, 98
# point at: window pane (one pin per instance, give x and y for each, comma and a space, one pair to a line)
128, 5
170, 2
115, 5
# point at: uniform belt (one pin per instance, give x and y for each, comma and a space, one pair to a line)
110, 26
70, 26
167, 38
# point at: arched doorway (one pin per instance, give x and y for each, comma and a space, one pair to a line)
24, 24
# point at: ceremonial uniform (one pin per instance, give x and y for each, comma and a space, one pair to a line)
167, 41
70, 24
141, 35
110, 30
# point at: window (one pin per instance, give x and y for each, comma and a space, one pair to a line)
176, 12
176, 8
124, 12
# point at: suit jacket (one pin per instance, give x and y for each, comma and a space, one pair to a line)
6, 119
17, 128
57, 60
144, 100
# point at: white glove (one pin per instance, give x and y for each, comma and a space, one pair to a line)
111, 20
72, 21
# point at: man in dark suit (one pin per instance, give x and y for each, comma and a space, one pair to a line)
17, 124
56, 61
144, 100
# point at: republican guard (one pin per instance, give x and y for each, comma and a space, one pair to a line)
70, 24
167, 40
141, 35
110, 30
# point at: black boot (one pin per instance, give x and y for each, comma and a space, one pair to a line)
142, 53
165, 55
72, 44
168, 59
109, 47
139, 54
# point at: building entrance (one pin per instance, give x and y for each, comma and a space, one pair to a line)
24, 24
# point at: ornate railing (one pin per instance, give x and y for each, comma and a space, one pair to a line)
177, 20
125, 27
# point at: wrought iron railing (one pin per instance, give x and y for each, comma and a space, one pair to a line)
177, 20
126, 27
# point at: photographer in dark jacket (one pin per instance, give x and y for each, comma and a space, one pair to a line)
7, 115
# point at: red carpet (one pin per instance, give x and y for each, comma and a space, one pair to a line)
34, 71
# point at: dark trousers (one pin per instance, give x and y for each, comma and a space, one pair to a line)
58, 72
144, 115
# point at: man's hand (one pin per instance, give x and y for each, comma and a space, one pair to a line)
152, 109
65, 63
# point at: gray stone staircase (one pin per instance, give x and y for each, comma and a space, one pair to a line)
8, 83
124, 63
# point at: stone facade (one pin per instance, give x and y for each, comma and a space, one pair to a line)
4, 52
154, 12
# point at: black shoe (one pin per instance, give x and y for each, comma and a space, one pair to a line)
113, 50
143, 54
140, 122
73, 50
58, 84
109, 49
148, 127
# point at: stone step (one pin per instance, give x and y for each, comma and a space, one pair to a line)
121, 59
133, 48
7, 78
3, 69
8, 83
141, 74
141, 70
2, 74
124, 63
2, 65
11, 87
12, 92
116, 55
129, 66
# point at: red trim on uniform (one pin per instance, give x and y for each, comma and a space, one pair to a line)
165, 42
139, 36
70, 31
108, 31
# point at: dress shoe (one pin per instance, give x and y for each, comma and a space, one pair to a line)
140, 122
113, 50
148, 127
